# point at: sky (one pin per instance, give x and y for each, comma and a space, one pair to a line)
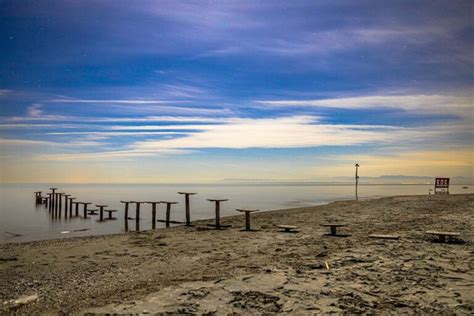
202, 91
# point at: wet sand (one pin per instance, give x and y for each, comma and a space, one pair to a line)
201, 270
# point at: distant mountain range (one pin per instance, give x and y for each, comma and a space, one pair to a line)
385, 179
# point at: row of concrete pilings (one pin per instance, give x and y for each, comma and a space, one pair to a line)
59, 202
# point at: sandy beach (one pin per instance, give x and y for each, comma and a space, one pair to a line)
199, 270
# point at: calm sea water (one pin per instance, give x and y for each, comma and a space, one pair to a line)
20, 215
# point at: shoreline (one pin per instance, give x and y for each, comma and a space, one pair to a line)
205, 221
129, 271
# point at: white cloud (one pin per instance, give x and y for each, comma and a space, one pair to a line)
179, 119
34, 110
289, 132
439, 104
148, 107
157, 127
239, 133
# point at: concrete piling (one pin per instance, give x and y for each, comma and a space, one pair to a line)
53, 198
126, 210
218, 211
247, 217
85, 208
66, 203
38, 197
101, 211
168, 211
137, 209
153, 213
187, 206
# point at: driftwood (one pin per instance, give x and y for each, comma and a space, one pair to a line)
13, 234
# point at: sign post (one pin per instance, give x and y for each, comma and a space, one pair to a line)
441, 186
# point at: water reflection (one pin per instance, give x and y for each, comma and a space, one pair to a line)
33, 221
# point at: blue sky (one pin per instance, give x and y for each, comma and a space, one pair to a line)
105, 91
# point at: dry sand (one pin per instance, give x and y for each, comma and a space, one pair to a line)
201, 271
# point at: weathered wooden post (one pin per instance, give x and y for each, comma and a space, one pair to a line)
333, 227
59, 205
56, 201
85, 208
137, 226
78, 203
218, 211
153, 213
76, 208
50, 201
168, 211
187, 206
60, 198
38, 197
110, 214
247, 217
53, 198
71, 203
126, 210
70, 200
66, 196
46, 201
101, 211
137, 209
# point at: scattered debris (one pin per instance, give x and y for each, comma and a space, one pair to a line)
8, 259
74, 230
13, 234
25, 299
81, 230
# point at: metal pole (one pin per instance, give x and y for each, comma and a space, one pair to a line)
357, 181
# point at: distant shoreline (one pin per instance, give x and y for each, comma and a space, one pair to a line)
237, 184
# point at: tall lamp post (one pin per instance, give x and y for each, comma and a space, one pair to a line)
357, 180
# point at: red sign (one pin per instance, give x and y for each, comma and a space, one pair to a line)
442, 183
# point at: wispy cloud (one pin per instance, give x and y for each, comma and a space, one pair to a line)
22, 126
286, 132
112, 155
34, 110
176, 119
86, 142
104, 135
22, 142
441, 104
112, 101
4, 92
36, 113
